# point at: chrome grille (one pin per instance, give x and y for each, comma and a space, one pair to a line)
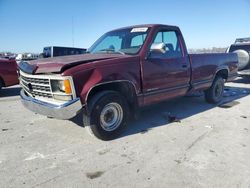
35, 80
34, 86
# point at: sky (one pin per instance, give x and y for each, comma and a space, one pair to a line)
30, 25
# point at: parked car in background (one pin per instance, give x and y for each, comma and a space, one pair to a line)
8, 72
125, 69
242, 48
7, 55
55, 51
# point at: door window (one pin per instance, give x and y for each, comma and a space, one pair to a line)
171, 41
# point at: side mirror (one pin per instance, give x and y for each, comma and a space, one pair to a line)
158, 48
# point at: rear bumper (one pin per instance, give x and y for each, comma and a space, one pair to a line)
67, 110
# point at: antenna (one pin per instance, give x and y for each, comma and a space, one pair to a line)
72, 24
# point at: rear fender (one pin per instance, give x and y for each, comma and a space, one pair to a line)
223, 71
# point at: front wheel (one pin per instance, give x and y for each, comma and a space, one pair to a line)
107, 115
215, 93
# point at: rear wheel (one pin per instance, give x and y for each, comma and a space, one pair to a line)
107, 115
215, 93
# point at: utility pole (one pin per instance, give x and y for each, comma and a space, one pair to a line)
72, 25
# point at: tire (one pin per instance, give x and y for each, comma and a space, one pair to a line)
108, 114
243, 57
215, 93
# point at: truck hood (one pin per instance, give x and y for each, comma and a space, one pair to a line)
59, 64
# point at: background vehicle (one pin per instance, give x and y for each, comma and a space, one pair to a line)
8, 72
55, 51
27, 56
242, 48
125, 69
7, 55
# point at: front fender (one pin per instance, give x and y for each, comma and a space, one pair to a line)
100, 77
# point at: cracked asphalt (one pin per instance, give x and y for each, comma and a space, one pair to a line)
205, 146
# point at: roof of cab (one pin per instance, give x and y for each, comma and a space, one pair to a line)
146, 25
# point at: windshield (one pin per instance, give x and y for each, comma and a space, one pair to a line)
124, 41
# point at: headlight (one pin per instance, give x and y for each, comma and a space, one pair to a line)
61, 86
61, 89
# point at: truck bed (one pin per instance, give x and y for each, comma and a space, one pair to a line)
204, 67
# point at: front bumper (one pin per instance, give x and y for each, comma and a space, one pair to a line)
67, 110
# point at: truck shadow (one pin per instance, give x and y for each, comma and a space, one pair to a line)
10, 91
176, 110
242, 80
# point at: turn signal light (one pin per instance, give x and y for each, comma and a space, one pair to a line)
67, 87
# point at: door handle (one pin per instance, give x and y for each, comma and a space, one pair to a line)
184, 66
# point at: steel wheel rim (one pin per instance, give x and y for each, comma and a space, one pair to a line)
111, 116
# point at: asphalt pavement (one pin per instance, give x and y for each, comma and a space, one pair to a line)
181, 143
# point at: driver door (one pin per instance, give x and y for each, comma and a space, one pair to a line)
165, 74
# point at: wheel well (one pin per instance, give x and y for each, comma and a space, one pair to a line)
126, 89
223, 73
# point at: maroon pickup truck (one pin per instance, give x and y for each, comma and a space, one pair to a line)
125, 69
8, 72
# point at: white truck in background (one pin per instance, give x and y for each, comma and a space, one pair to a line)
55, 51
51, 51
242, 48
